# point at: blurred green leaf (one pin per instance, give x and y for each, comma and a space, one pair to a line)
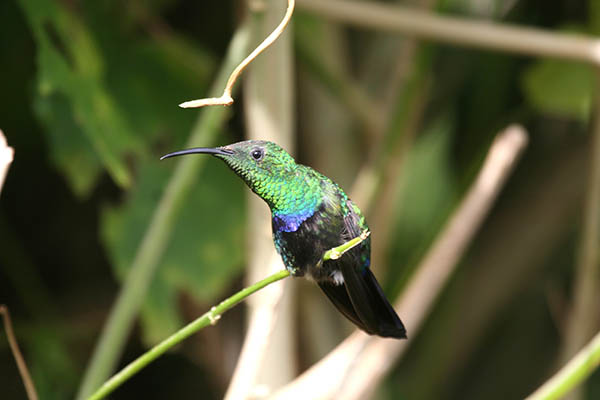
70, 151
160, 314
560, 88
103, 95
206, 248
53, 371
429, 190
594, 17
150, 78
69, 63
150, 68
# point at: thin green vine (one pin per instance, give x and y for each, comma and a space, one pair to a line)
572, 374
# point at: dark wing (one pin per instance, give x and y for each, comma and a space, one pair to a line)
368, 300
370, 304
339, 297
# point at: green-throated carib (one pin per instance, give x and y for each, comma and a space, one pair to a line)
310, 215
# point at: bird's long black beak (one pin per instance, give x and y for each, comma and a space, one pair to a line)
199, 150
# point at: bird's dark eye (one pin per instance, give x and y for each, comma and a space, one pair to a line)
257, 154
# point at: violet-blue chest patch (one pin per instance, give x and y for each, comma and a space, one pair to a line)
291, 222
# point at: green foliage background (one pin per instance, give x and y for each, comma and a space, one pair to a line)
90, 93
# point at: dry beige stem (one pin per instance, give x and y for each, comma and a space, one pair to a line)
14, 346
6, 158
463, 32
226, 99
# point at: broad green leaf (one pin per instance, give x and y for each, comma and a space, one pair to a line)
150, 78
206, 248
70, 64
70, 151
105, 92
149, 71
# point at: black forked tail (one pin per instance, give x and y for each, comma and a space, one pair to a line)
362, 301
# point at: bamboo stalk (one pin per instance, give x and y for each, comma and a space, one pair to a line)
458, 31
269, 111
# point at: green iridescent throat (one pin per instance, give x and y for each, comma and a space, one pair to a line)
287, 187
289, 193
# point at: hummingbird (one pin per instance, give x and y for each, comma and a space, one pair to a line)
310, 215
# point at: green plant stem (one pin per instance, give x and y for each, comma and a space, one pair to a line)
337, 252
132, 294
572, 374
209, 318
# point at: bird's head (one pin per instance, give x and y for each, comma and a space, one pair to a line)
265, 167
